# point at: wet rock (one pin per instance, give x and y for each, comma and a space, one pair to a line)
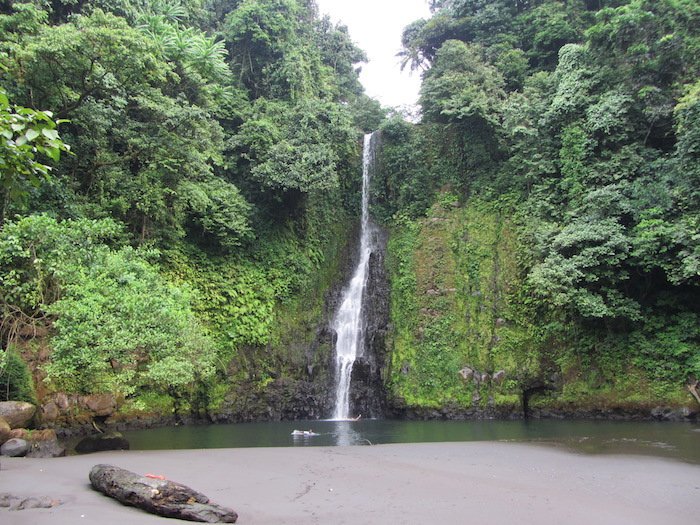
466, 373
368, 397
399, 410
14, 448
4, 431
363, 398
499, 377
686, 413
18, 414
283, 399
102, 443
665, 414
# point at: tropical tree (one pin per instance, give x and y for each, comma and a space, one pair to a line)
27, 137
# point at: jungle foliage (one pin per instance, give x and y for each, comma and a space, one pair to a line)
178, 178
583, 116
173, 174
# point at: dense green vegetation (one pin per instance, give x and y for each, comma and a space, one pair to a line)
197, 214
179, 178
568, 133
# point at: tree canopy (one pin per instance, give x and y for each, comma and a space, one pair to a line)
197, 139
585, 115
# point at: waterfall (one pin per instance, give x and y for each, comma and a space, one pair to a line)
348, 319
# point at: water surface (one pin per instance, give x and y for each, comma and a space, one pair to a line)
672, 440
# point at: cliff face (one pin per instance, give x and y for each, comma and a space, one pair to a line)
367, 395
312, 393
466, 342
305, 388
293, 376
309, 391
449, 334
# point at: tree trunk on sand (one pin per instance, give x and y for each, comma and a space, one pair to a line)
158, 496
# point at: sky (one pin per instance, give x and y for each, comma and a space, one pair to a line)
376, 27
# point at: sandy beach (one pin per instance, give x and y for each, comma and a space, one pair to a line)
480, 483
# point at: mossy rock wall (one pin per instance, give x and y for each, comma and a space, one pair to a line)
466, 341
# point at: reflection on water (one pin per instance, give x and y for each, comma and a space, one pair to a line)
340, 434
674, 440
345, 435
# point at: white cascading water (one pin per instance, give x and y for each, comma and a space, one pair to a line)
348, 318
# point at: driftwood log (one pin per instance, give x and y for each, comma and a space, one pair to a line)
158, 496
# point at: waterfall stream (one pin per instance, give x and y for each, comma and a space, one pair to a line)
348, 319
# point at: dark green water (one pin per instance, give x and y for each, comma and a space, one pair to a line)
673, 440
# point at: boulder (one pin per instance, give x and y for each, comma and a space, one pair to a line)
18, 414
47, 434
49, 412
19, 433
102, 443
466, 373
42, 443
62, 401
14, 448
499, 377
4, 430
47, 448
100, 404
33, 435
663, 414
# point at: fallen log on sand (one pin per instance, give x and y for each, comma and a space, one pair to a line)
158, 495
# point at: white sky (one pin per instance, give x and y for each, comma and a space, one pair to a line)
376, 27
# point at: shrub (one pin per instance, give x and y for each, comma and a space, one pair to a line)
15, 379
